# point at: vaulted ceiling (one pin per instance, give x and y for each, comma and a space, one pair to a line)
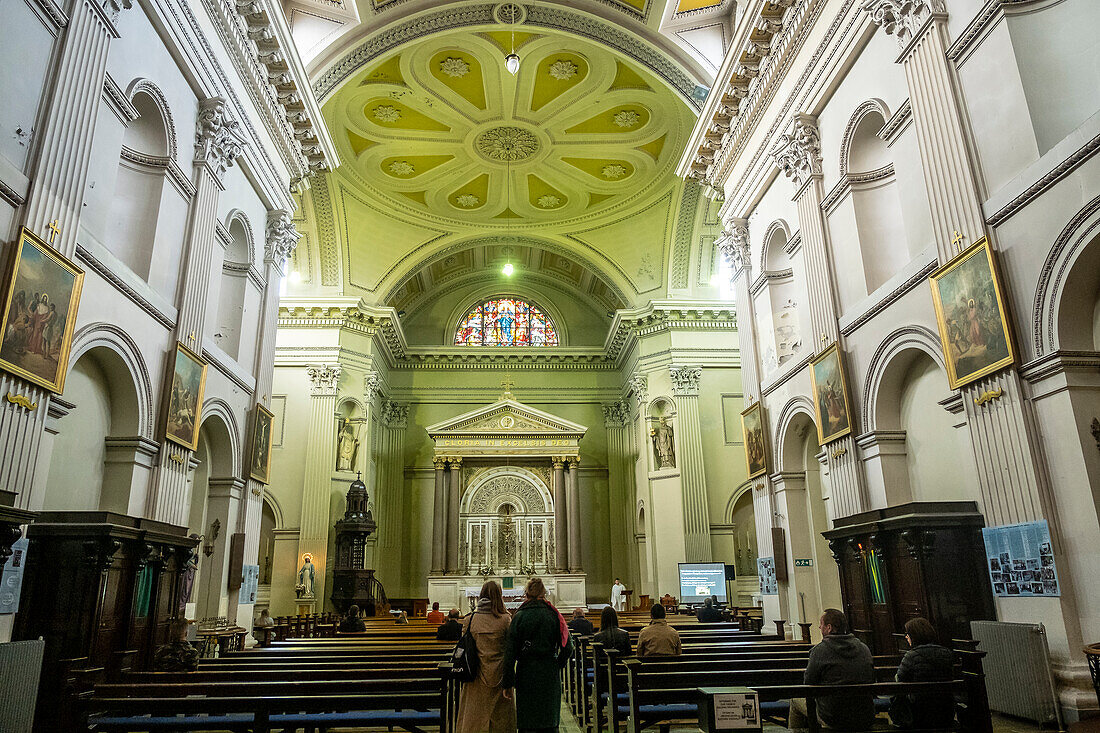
447, 160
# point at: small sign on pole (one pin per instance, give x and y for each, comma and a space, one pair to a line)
729, 708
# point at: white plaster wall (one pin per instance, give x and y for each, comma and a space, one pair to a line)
76, 474
26, 43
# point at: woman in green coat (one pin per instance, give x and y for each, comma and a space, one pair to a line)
537, 647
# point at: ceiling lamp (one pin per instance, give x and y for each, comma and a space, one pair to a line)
511, 62
508, 269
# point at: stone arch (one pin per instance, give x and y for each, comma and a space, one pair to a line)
242, 248
776, 231
476, 501
117, 340
738, 493
639, 518
796, 414
856, 125
276, 507
1073, 261
141, 87
223, 462
884, 366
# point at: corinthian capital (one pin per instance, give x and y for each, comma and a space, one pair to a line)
395, 414
282, 238
218, 140
371, 382
798, 153
733, 244
685, 379
903, 18
616, 414
325, 379
639, 385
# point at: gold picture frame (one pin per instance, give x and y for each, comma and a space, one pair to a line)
29, 329
832, 405
752, 428
971, 315
260, 455
185, 395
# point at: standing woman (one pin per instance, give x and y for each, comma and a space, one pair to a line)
485, 704
538, 645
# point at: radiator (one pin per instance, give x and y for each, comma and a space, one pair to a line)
1018, 676
20, 666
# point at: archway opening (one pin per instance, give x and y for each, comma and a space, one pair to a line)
212, 516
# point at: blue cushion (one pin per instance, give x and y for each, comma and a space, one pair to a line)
358, 717
168, 722
669, 711
775, 707
591, 674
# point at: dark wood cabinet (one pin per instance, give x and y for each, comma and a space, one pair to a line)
100, 588
919, 559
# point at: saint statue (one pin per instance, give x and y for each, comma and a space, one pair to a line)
347, 448
305, 579
663, 451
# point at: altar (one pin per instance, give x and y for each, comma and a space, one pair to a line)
507, 503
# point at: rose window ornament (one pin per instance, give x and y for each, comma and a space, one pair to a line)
548, 201
507, 144
402, 168
467, 200
613, 171
454, 68
563, 70
627, 118
387, 113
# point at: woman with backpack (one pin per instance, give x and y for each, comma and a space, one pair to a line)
484, 703
538, 647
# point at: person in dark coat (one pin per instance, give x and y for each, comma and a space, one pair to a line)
708, 613
451, 629
538, 645
926, 661
579, 625
840, 659
352, 622
610, 635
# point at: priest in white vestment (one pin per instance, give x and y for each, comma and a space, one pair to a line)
618, 600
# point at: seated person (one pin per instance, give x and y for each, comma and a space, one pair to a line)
926, 661
707, 613
401, 618
658, 639
352, 622
435, 616
177, 655
610, 635
840, 659
579, 625
451, 630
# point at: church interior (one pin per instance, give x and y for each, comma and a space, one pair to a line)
314, 303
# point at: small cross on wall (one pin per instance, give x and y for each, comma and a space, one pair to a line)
958, 239
507, 385
54, 230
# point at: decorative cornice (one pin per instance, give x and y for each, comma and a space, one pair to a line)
282, 238
167, 164
218, 140
904, 19
910, 282
896, 123
798, 152
117, 101
324, 380
685, 380
109, 275
10, 195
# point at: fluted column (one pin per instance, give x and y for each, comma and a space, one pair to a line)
733, 246
624, 557
689, 447
573, 509
798, 155
217, 145
320, 448
454, 496
64, 144
561, 551
388, 491
439, 516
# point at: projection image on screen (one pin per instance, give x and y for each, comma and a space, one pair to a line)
699, 580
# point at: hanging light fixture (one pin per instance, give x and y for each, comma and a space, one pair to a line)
511, 62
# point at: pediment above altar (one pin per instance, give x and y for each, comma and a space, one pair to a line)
507, 418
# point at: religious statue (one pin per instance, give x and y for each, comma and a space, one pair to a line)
664, 453
304, 588
187, 580
347, 447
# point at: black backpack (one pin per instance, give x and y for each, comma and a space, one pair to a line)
465, 664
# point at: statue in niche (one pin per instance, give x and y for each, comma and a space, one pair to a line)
347, 447
664, 452
306, 576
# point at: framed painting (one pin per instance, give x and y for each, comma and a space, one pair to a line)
39, 313
185, 398
971, 315
260, 468
831, 403
752, 425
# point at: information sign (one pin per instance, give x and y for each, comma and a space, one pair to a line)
1020, 560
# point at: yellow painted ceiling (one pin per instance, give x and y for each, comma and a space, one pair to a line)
438, 143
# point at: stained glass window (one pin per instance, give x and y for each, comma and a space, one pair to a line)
506, 322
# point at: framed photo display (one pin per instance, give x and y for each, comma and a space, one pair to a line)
43, 293
971, 315
831, 403
752, 425
185, 395
260, 466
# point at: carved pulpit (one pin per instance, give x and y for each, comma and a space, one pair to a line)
352, 582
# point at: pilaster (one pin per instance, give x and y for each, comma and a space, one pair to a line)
734, 247
685, 390
320, 448
624, 558
561, 539
388, 491
128, 465
573, 508
439, 516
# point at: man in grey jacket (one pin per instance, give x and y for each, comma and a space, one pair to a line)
840, 659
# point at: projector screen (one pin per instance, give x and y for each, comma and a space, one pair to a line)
699, 580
